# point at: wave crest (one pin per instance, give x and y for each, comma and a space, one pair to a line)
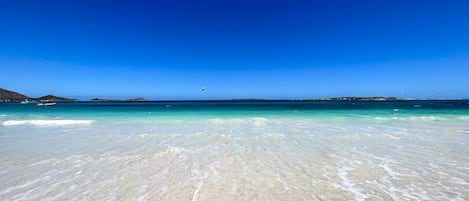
257, 121
57, 122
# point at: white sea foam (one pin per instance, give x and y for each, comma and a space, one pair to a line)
393, 137
198, 179
257, 121
413, 118
226, 121
424, 118
349, 185
55, 122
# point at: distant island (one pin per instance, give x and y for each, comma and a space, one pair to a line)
117, 100
54, 98
7, 96
11, 96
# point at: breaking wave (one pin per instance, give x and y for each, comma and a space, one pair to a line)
57, 122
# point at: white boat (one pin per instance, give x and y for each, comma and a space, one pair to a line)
46, 104
25, 101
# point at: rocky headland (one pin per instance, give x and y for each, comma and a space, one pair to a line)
11, 96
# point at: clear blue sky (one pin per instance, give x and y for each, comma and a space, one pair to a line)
235, 49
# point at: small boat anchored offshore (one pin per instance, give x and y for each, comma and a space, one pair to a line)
26, 101
46, 104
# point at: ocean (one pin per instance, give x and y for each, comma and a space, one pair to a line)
235, 150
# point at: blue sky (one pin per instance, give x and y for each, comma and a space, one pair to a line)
235, 49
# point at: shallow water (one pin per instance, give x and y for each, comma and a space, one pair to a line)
221, 153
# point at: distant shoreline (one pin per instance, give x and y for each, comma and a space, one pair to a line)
11, 96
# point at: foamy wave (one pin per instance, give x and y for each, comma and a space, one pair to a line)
422, 118
258, 121
58, 122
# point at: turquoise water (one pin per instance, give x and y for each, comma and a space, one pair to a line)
237, 108
235, 150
